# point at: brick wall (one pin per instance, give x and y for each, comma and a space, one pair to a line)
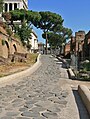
9, 45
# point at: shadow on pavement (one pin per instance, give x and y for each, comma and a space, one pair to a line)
81, 108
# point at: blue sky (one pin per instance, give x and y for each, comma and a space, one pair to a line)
76, 13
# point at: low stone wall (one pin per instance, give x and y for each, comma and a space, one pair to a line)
84, 92
71, 73
3, 60
18, 57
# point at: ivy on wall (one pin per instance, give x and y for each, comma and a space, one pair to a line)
3, 42
9, 39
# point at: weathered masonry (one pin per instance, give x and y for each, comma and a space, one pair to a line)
10, 47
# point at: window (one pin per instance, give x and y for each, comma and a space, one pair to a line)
15, 6
6, 7
10, 6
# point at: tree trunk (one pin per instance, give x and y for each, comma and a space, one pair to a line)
46, 43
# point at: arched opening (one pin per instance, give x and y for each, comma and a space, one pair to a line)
10, 6
15, 48
6, 6
15, 6
8, 49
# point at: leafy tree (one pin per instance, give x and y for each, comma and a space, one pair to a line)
33, 17
1, 5
57, 39
66, 33
25, 33
54, 39
18, 15
48, 22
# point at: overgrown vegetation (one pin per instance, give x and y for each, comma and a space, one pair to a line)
86, 66
3, 42
84, 73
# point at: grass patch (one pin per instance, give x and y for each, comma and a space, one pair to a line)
17, 66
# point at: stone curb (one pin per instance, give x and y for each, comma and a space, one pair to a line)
69, 70
85, 96
71, 74
63, 61
22, 74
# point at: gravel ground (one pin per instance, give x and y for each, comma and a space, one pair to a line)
45, 94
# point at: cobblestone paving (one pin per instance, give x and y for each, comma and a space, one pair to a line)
37, 96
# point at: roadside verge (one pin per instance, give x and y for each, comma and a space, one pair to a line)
17, 76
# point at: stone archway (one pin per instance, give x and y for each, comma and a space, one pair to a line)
6, 50
15, 48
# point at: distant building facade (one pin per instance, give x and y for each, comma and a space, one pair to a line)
15, 4
41, 48
12, 5
34, 42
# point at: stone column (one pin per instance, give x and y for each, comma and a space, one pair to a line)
8, 7
12, 6
18, 6
3, 7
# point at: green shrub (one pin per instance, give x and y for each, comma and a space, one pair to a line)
9, 31
9, 39
3, 42
86, 66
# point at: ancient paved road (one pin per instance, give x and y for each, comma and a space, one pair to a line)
42, 95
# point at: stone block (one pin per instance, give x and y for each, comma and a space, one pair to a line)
84, 92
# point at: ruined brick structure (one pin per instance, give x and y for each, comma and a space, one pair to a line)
86, 50
67, 49
79, 37
77, 44
9, 46
79, 47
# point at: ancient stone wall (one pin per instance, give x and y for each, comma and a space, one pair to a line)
10, 45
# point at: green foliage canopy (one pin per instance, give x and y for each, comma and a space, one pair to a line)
18, 15
50, 23
25, 33
33, 17
57, 39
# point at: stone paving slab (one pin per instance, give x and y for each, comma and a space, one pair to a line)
42, 95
